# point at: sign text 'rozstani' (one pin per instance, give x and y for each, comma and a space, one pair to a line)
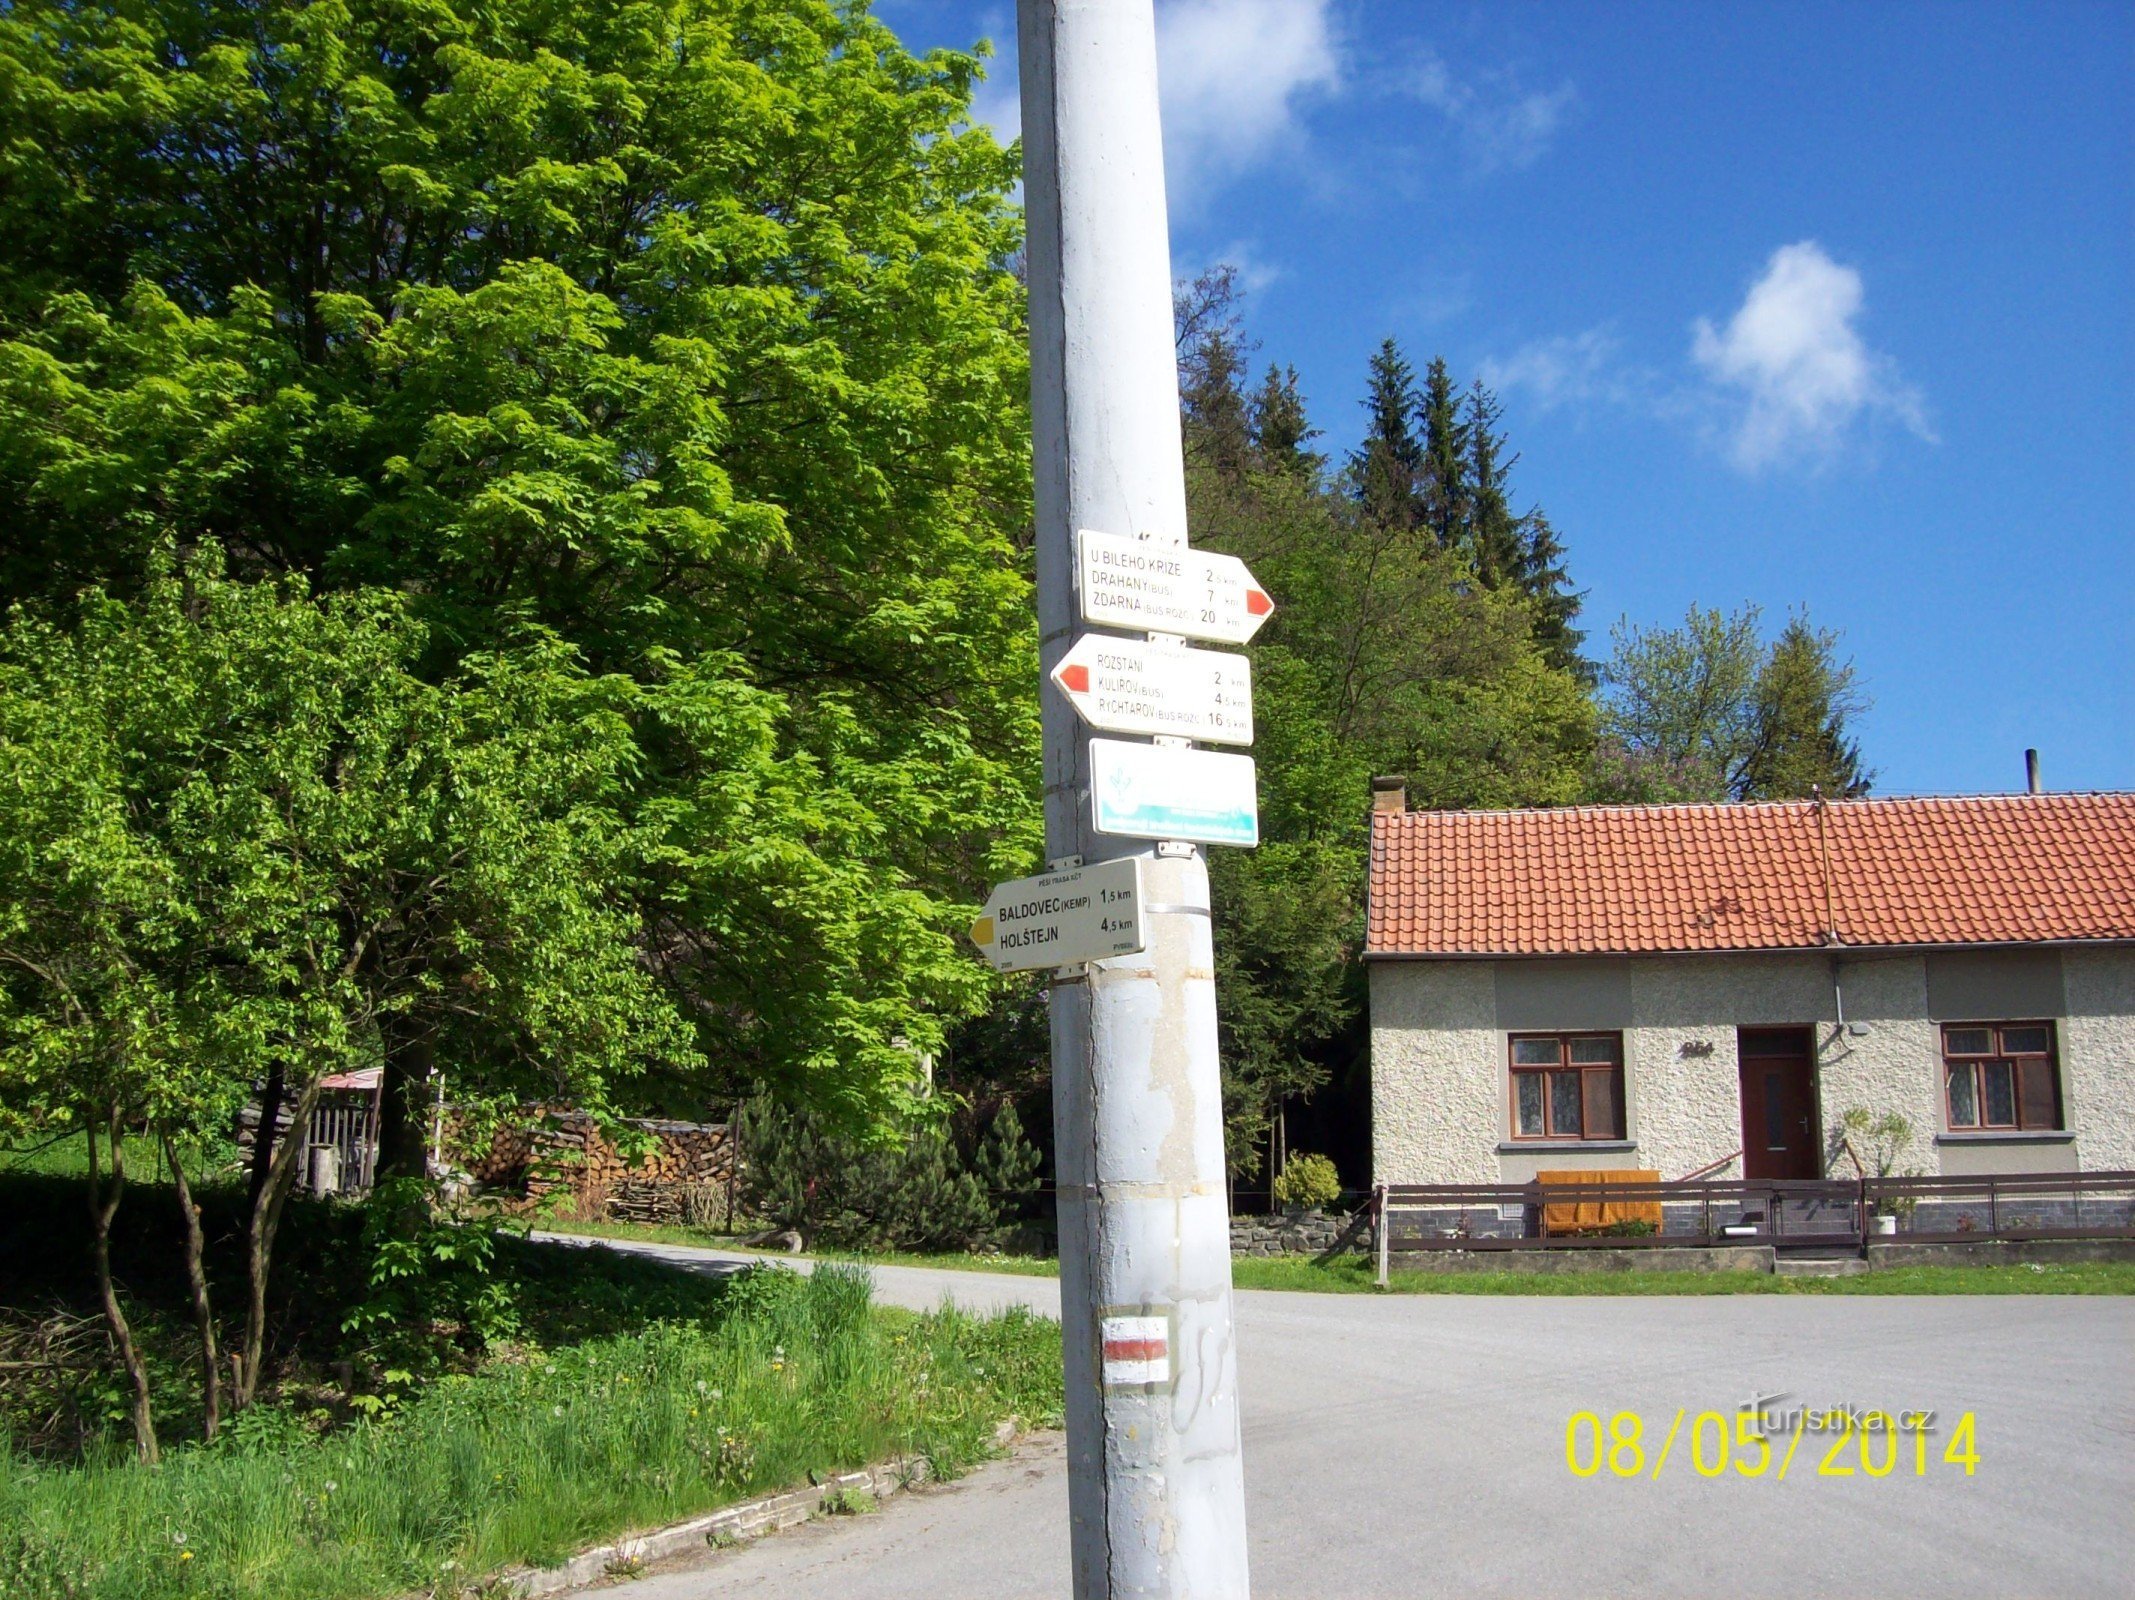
1129, 686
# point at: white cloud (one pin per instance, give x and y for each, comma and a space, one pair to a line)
1571, 369
1233, 75
998, 102
1255, 271
1793, 367
1501, 125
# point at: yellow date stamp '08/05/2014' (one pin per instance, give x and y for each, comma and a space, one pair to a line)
1848, 1444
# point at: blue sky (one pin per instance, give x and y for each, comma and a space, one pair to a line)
1802, 305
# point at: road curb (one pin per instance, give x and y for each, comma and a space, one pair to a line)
728, 1525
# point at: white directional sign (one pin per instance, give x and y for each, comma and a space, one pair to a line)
1150, 791
1128, 686
1060, 918
1168, 588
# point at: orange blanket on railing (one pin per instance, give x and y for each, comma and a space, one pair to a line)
1590, 1216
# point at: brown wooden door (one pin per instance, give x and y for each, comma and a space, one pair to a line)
1779, 1121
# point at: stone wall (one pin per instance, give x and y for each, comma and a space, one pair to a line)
1296, 1233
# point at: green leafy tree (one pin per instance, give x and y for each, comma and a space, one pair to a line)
1682, 700
687, 333
1710, 711
84, 904
339, 852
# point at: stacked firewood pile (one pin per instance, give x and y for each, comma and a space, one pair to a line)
564, 1162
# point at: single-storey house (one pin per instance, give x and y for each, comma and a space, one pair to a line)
1707, 990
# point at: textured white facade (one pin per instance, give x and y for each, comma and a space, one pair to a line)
1441, 1108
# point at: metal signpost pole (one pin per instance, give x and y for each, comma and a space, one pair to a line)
1156, 1489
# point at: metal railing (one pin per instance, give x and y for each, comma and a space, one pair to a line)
2027, 1205
1782, 1212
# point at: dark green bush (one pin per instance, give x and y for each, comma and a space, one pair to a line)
923, 1193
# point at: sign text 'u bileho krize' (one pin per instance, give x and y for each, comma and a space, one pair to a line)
1129, 686
1060, 918
1148, 791
1167, 588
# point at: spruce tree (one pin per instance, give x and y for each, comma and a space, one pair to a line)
1518, 551
1218, 427
1804, 698
1494, 534
1543, 579
1389, 464
1443, 485
1281, 429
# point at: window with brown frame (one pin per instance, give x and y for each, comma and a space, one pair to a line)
2000, 1075
1567, 1086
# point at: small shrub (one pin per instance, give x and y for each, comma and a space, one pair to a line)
919, 1192
849, 1503
1307, 1182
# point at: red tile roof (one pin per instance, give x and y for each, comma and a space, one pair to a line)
1594, 880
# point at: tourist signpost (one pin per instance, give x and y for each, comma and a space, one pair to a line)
1060, 918
1156, 1487
1134, 686
1168, 588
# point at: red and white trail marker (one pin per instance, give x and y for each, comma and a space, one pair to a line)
1137, 1352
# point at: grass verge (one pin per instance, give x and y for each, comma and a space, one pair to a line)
1353, 1274
675, 1233
533, 1456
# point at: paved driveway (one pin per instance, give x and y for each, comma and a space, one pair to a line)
1415, 1445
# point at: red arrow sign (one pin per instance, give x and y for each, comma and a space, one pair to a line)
1130, 686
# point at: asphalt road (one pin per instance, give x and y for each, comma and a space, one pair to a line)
1415, 1446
